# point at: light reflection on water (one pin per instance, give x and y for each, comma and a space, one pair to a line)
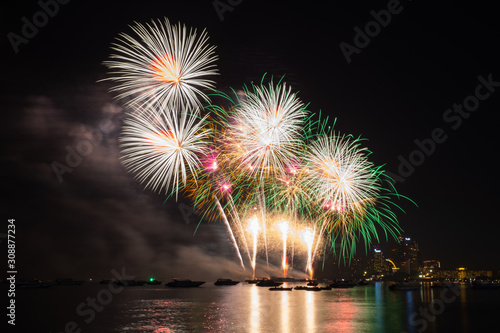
248, 308
254, 319
285, 320
309, 309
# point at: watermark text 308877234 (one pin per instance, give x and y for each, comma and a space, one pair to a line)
11, 271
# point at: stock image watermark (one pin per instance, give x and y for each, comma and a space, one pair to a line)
452, 117
425, 314
187, 212
363, 36
83, 148
88, 308
224, 6
11, 271
30, 26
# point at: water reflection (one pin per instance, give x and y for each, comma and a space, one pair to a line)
254, 320
285, 320
379, 306
248, 308
310, 307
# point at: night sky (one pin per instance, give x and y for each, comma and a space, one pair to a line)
395, 89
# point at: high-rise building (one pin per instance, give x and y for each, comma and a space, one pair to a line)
379, 264
406, 255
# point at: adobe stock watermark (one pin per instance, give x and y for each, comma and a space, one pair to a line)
362, 38
424, 315
222, 6
30, 26
454, 118
187, 212
88, 308
84, 147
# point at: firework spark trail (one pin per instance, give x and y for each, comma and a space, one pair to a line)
264, 228
234, 213
308, 238
254, 228
293, 241
284, 229
230, 232
318, 241
294, 212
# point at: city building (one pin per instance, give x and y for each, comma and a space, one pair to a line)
379, 264
405, 255
429, 268
462, 273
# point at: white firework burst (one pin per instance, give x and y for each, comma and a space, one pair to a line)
340, 175
163, 148
266, 134
163, 64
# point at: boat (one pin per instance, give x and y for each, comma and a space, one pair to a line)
326, 288
283, 278
342, 284
68, 282
300, 288
405, 286
492, 285
34, 284
131, 283
444, 284
225, 282
280, 288
312, 283
256, 280
153, 282
268, 283
313, 289
183, 283
107, 281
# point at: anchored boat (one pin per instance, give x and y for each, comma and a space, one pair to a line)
184, 283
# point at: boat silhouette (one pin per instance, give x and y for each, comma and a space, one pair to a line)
225, 282
268, 283
183, 283
280, 288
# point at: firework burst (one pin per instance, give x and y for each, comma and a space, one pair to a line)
339, 171
348, 188
265, 131
162, 64
163, 148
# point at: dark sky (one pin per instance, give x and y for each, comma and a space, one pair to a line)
395, 90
